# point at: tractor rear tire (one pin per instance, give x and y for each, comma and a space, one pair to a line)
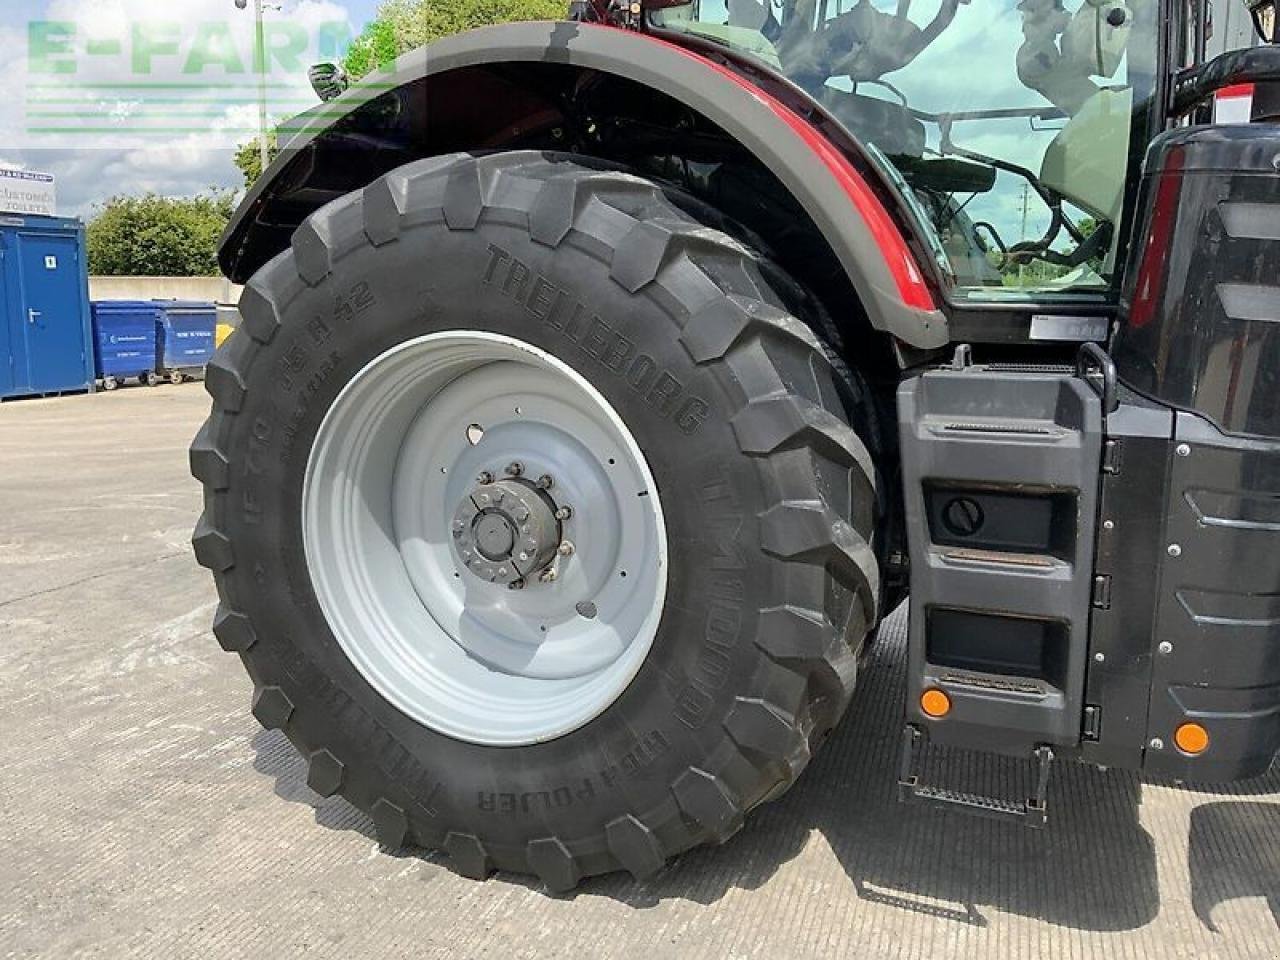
667, 332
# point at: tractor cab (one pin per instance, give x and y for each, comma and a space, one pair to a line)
1008, 126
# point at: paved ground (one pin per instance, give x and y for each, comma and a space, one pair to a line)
144, 813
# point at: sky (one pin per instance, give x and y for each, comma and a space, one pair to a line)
131, 96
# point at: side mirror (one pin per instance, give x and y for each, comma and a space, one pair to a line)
1264, 18
328, 80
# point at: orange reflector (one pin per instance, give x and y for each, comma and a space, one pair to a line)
1191, 738
935, 703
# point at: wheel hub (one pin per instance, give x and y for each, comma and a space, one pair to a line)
506, 531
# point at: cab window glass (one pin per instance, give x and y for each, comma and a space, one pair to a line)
1007, 123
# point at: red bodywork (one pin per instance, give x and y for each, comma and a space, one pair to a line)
893, 246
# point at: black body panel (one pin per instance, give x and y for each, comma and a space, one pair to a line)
1190, 516
1219, 606
1201, 329
1190, 545
1127, 571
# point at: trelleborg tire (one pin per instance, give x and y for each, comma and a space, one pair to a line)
664, 333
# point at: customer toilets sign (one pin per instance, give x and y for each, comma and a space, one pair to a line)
25, 191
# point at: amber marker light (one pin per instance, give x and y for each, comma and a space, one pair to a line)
1191, 738
935, 703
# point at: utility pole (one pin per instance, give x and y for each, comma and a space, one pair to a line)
260, 65
261, 58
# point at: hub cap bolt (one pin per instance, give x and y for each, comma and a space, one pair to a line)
516, 585
515, 468
485, 478
545, 482
564, 513
566, 548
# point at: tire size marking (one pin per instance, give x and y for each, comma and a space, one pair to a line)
722, 629
631, 765
557, 307
296, 383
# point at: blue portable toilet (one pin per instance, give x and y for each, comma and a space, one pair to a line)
186, 337
44, 307
124, 341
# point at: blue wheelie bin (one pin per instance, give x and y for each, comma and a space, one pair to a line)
124, 341
186, 338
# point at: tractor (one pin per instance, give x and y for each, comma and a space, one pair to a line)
603, 384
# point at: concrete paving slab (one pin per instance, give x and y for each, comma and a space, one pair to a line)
143, 813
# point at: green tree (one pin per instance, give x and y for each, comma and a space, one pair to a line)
158, 236
404, 25
375, 47
249, 158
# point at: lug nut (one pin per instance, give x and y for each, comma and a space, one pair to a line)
515, 468
545, 482
515, 585
547, 576
564, 513
485, 478
565, 549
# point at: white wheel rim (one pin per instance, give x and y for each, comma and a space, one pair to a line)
395, 463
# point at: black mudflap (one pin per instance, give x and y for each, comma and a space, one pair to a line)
1000, 470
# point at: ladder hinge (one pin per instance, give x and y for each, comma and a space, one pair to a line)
1111, 456
1092, 723
1102, 591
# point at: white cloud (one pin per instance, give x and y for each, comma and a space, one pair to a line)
117, 128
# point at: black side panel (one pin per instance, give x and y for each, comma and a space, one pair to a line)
1201, 329
1131, 546
1219, 606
